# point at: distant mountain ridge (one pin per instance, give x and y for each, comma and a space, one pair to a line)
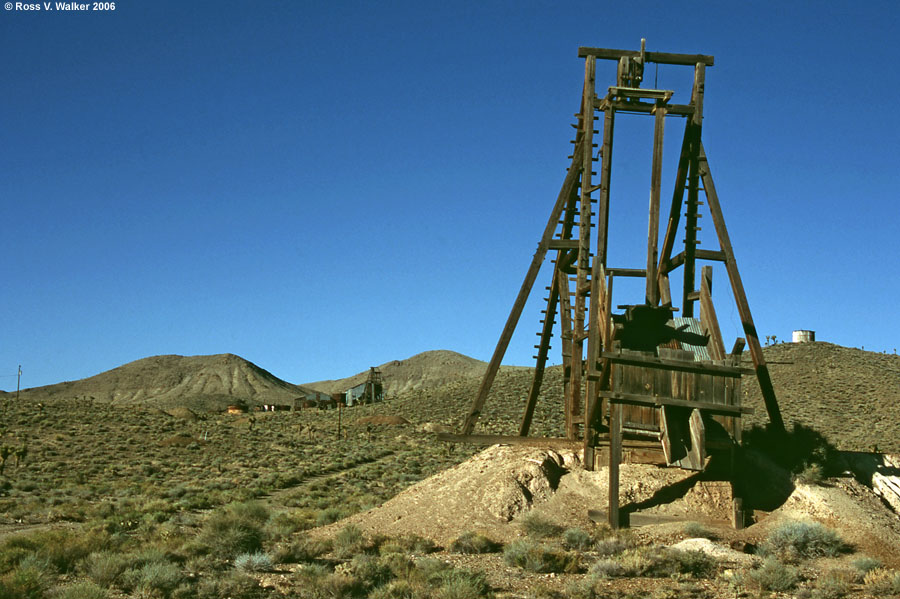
198, 382
425, 370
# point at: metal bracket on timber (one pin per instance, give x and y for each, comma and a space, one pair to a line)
644, 372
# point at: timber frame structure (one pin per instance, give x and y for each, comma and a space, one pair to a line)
639, 379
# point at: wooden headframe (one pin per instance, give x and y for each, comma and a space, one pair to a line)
581, 288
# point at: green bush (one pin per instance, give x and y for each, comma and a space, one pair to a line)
696, 530
158, 577
610, 547
535, 557
472, 542
772, 575
329, 515
796, 540
373, 571
539, 527
408, 544
865, 564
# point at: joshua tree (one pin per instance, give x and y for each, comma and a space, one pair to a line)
21, 453
5, 450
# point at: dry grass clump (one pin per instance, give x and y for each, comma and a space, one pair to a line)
537, 557
882, 582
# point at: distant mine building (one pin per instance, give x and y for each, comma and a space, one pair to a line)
370, 391
237, 408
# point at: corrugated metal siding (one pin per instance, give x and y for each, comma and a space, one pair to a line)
693, 325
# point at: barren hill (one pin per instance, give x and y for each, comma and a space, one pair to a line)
422, 371
197, 382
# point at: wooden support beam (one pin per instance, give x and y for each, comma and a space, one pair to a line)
657, 401
638, 273
546, 334
681, 366
657, 57
708, 320
615, 458
500, 350
679, 110
652, 288
740, 296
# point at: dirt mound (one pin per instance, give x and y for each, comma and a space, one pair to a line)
196, 382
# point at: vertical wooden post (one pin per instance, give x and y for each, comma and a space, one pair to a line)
652, 295
573, 407
615, 458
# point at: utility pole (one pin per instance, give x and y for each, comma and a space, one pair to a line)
18, 380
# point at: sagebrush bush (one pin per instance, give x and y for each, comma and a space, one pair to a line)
864, 565
234, 584
29, 580
697, 531
578, 539
539, 527
610, 547
536, 557
104, 567
773, 575
472, 542
460, 583
797, 540
253, 562
408, 544
158, 577
85, 589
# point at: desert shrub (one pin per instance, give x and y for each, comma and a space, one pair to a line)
535, 557
253, 562
773, 575
796, 540
158, 578
234, 584
329, 515
882, 582
302, 549
461, 583
349, 541
864, 565
539, 527
104, 567
472, 542
408, 544
578, 539
834, 584
373, 571
810, 474
696, 530
282, 525
230, 531
85, 589
30, 580
605, 568
610, 547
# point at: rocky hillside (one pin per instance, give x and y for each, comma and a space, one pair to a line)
428, 370
196, 382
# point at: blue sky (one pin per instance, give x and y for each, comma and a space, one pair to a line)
324, 186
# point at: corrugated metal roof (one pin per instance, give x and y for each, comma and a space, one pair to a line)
693, 326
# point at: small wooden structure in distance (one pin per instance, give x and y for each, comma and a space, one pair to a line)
639, 381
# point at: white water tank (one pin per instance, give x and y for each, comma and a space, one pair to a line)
803, 336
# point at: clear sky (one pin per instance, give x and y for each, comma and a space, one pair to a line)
320, 187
